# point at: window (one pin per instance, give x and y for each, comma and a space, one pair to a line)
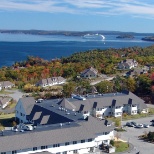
14, 152
67, 143
74, 142
56, 145
3, 152
65, 152
75, 151
34, 148
21, 114
109, 106
43, 147
82, 141
89, 140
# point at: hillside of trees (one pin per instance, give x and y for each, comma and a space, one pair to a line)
105, 61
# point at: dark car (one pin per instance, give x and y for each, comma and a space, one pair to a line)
129, 124
133, 123
152, 121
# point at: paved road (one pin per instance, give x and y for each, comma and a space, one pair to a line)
132, 136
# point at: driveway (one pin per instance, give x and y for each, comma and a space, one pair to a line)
132, 136
15, 94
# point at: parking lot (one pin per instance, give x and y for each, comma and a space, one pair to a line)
131, 135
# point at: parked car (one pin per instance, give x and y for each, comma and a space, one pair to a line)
145, 125
129, 124
133, 123
152, 121
139, 126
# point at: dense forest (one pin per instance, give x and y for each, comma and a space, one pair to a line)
105, 61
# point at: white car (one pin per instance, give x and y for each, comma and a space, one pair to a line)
146, 125
139, 126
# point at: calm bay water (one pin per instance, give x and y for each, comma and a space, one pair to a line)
16, 47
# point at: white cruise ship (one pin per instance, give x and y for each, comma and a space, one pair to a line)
94, 36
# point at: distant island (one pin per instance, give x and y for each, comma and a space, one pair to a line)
125, 36
149, 38
73, 33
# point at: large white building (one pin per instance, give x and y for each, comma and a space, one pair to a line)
68, 125
102, 105
57, 130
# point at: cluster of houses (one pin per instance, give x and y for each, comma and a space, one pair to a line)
67, 125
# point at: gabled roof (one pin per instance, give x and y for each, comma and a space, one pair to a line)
66, 104
51, 135
4, 100
6, 83
90, 71
114, 99
28, 104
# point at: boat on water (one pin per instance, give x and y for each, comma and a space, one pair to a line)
94, 36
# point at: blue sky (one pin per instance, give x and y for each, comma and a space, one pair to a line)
78, 15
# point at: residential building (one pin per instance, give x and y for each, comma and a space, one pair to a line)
57, 129
80, 137
113, 104
127, 64
4, 102
89, 73
6, 84
51, 81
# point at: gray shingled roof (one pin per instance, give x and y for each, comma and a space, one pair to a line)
6, 83
28, 103
66, 104
107, 100
90, 71
45, 119
37, 115
4, 100
86, 130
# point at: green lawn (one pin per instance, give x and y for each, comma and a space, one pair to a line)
5, 92
121, 146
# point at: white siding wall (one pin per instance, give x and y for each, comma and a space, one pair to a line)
80, 147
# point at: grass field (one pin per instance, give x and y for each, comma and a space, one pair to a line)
5, 92
121, 146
